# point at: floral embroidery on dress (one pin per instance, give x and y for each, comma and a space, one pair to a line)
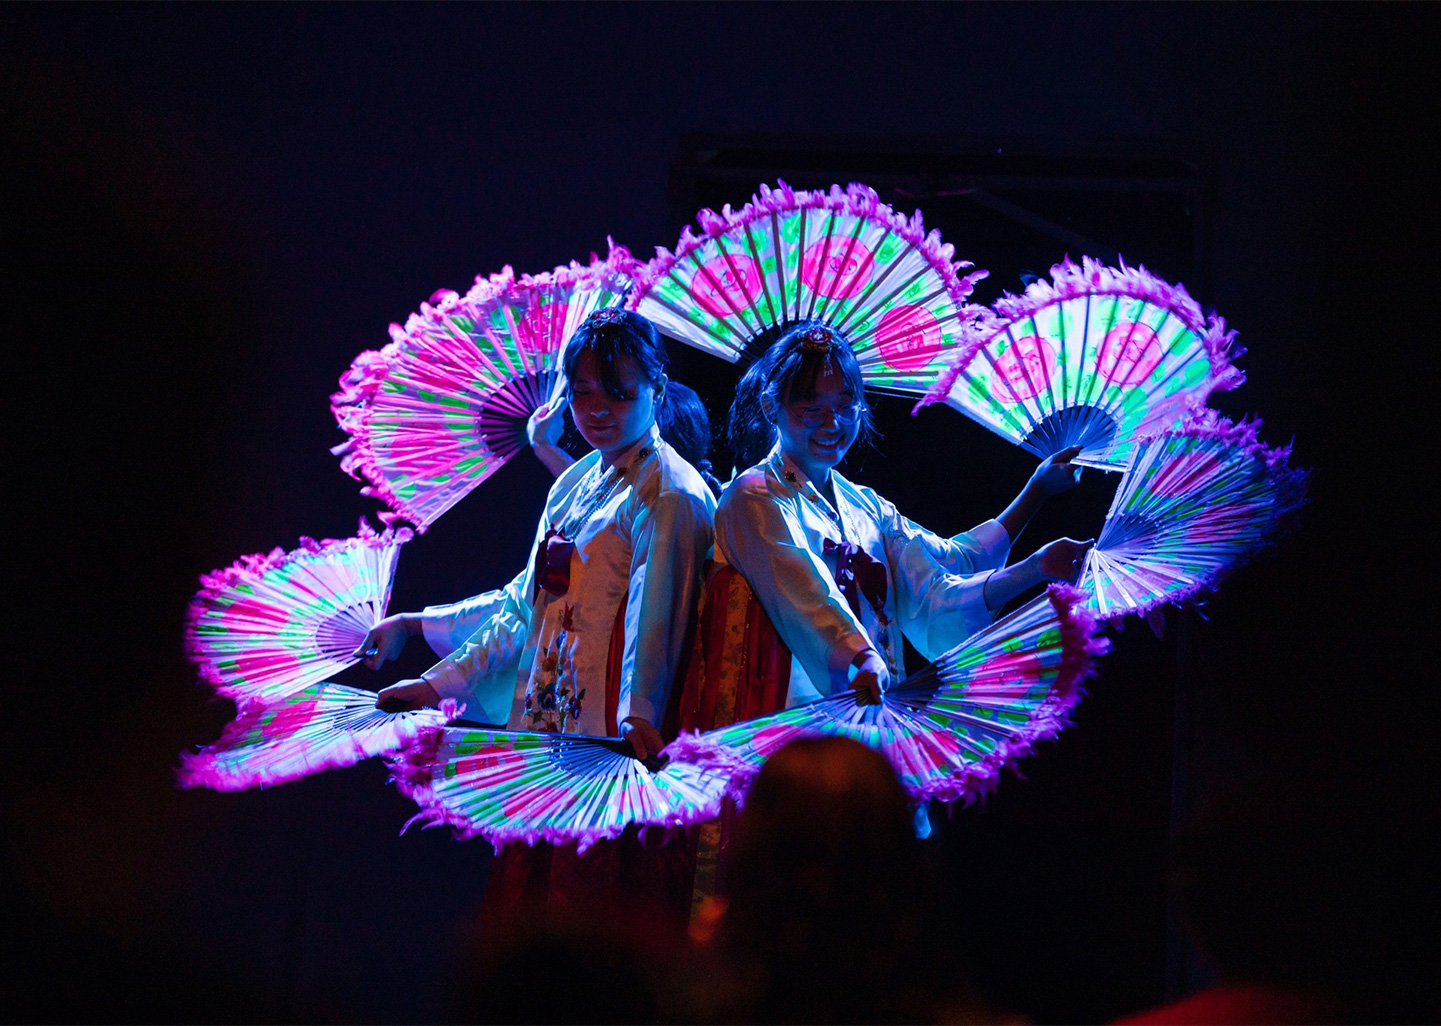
552, 698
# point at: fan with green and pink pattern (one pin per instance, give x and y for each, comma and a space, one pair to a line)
445, 404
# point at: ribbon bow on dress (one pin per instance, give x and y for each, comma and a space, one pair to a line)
857, 574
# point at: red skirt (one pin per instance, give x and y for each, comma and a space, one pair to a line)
738, 669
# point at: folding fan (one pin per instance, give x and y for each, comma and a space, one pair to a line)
843, 258
443, 406
1097, 357
272, 624
320, 727
510, 785
950, 729
1197, 501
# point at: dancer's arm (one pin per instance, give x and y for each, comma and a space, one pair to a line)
1054, 475
761, 535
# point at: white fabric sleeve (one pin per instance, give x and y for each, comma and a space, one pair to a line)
670, 540
766, 542
447, 627
481, 673
940, 582
480, 667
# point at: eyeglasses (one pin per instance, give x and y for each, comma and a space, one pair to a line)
816, 415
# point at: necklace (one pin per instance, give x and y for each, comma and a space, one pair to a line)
812, 494
599, 490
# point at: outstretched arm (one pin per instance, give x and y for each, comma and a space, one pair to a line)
1055, 474
1059, 560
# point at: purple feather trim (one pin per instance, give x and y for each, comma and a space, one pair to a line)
250, 568
412, 769
856, 199
1095, 278
369, 371
499, 836
505, 287
1079, 649
1289, 482
698, 750
1290, 489
198, 769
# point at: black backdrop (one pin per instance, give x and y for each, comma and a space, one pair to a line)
209, 210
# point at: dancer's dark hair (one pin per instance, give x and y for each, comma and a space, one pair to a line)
680, 414
611, 334
684, 423
790, 371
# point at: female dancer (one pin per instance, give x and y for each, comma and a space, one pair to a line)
682, 420
838, 571
587, 638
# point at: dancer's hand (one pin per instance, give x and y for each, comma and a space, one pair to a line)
546, 424
543, 430
871, 677
385, 640
1056, 473
1061, 559
643, 737
405, 695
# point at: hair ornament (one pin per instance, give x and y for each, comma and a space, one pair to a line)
817, 340
610, 315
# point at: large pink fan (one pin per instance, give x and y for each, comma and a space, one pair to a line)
1197, 501
443, 406
511, 785
1097, 357
320, 727
950, 729
272, 624
841, 257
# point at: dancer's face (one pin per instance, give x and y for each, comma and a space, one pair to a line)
816, 431
609, 424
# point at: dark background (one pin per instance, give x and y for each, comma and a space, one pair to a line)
208, 211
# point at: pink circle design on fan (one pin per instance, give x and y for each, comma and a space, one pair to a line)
1129, 353
1181, 476
252, 610
837, 268
1027, 366
725, 284
909, 337
498, 767
767, 741
936, 749
290, 717
1022, 668
540, 329
265, 664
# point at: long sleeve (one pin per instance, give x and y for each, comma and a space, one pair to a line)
448, 626
670, 537
481, 639
482, 671
761, 535
940, 582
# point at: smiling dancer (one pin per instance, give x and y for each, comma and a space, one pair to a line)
839, 573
